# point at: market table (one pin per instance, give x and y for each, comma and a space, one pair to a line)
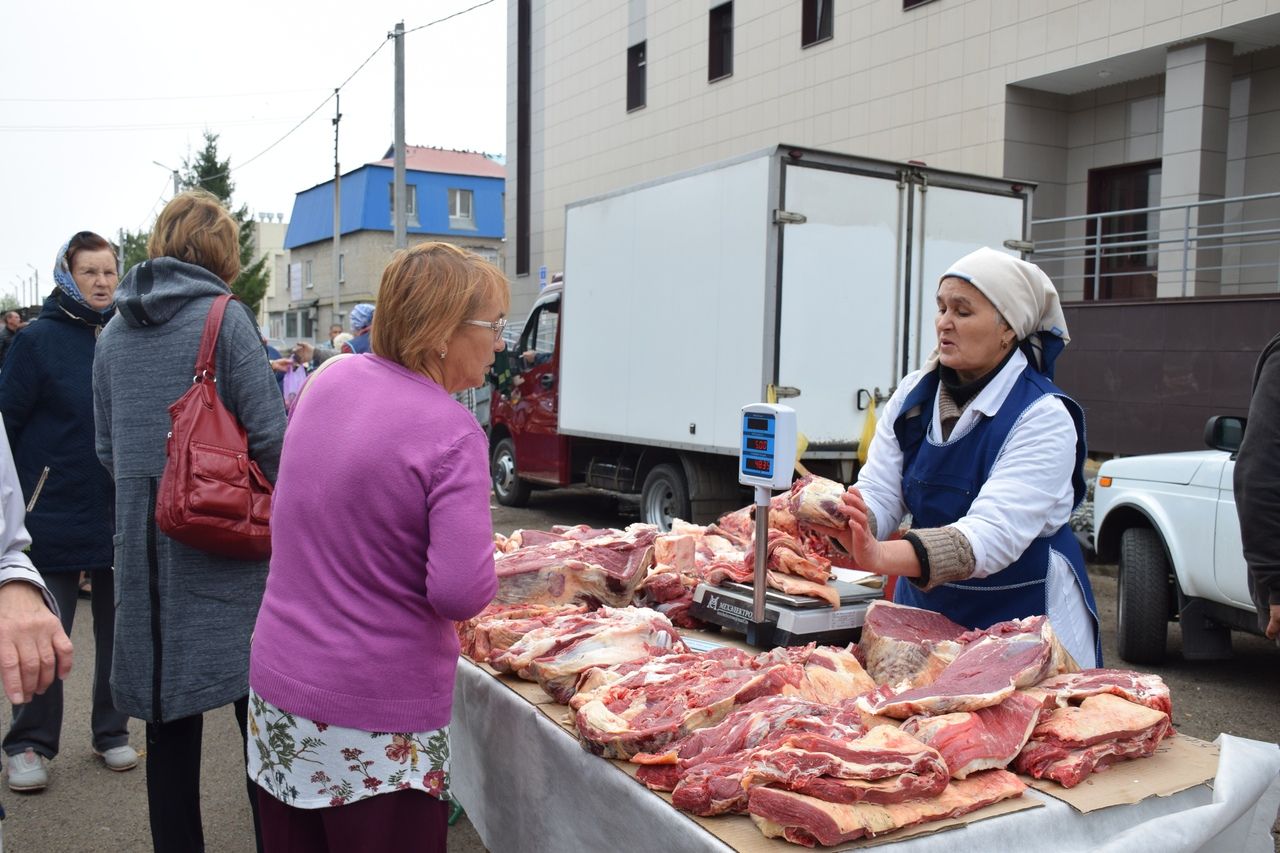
528, 785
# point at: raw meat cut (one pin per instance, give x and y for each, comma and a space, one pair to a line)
833, 675
802, 819
1007, 656
496, 627
883, 753
1078, 740
1140, 687
789, 570
556, 654
813, 500
605, 569
907, 644
979, 740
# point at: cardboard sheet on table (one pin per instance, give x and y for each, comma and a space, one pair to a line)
1179, 763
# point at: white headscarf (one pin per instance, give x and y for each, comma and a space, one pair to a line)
1025, 298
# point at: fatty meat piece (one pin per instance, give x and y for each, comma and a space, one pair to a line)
1144, 688
905, 646
985, 739
813, 500
604, 569
1078, 740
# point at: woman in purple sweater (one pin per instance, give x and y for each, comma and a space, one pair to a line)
354, 652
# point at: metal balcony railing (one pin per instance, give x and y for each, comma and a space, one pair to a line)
1219, 247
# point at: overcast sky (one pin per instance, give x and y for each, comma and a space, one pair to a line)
90, 98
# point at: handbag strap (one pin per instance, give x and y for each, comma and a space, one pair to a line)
205, 368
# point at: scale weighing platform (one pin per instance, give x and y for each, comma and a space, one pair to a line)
797, 619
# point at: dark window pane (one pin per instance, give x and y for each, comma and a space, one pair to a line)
720, 42
815, 21
1120, 263
635, 76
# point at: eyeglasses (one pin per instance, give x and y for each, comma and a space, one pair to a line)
496, 326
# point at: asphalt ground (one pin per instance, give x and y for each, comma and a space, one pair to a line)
89, 809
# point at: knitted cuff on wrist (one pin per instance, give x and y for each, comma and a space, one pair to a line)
948, 556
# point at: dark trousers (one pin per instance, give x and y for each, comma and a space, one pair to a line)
173, 782
400, 820
38, 724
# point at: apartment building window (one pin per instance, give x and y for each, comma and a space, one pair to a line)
460, 210
720, 43
307, 280
911, 4
815, 22
635, 76
1124, 265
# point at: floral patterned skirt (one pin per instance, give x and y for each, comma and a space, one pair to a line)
312, 765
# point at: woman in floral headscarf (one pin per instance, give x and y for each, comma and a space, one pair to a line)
986, 454
46, 398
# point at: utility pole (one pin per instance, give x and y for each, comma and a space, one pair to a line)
35, 280
337, 211
177, 184
400, 225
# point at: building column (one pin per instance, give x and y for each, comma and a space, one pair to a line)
1197, 99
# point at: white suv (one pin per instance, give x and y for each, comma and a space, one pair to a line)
1169, 521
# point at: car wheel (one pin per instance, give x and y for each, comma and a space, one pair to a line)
665, 497
1142, 600
508, 488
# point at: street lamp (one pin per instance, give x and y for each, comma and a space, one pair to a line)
176, 182
36, 282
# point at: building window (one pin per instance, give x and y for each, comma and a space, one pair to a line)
307, 280
410, 203
460, 211
911, 4
1121, 263
342, 267
720, 42
635, 76
815, 22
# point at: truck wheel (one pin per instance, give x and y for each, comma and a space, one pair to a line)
1142, 600
664, 497
508, 488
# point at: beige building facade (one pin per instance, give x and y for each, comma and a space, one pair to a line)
1106, 105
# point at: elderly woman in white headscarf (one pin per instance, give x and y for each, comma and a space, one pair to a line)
986, 454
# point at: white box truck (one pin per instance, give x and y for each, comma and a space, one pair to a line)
806, 272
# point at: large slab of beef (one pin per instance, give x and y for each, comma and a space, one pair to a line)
907, 646
1144, 688
555, 655
498, 626
988, 738
739, 526
790, 568
993, 664
806, 820
1077, 740
651, 707
603, 569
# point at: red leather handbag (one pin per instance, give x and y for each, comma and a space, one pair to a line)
212, 495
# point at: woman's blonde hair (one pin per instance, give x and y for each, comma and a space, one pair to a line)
196, 228
425, 294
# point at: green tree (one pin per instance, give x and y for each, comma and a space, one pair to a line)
134, 249
207, 172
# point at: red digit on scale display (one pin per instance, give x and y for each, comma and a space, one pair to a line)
758, 464
757, 444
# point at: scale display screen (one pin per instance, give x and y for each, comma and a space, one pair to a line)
767, 452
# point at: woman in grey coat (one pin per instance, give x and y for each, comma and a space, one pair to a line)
183, 617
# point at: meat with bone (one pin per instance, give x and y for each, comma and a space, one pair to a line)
555, 655
984, 739
1140, 687
907, 645
605, 569
1078, 740
651, 707
1007, 656
806, 820
814, 500
821, 766
496, 627
789, 570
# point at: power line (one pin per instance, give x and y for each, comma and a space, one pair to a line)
447, 17
150, 98
104, 128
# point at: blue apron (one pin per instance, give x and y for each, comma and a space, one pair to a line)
939, 484
361, 343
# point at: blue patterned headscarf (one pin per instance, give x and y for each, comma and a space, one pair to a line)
67, 284
361, 316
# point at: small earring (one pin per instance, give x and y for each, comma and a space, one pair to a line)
442, 352
1003, 345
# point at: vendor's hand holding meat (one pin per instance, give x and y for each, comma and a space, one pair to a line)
986, 454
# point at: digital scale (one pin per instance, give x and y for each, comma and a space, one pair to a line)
768, 617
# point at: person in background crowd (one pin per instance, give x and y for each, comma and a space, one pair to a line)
184, 616
273, 356
354, 651
34, 648
12, 325
361, 323
340, 340
334, 331
1257, 490
46, 397
987, 455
